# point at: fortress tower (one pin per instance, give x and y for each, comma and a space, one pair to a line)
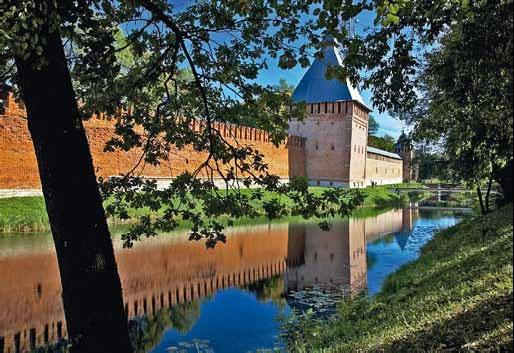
336, 126
404, 149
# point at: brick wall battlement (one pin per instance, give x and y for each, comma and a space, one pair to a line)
18, 166
14, 107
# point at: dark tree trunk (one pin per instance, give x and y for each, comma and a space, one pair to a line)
481, 200
505, 177
488, 194
91, 287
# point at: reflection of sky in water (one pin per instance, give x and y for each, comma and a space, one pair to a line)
392, 251
232, 320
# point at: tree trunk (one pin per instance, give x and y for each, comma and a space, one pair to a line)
505, 177
481, 200
91, 287
488, 194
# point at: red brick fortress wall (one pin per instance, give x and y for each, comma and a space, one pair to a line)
18, 166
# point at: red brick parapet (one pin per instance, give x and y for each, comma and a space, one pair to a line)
18, 167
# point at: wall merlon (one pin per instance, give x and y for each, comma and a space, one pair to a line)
14, 107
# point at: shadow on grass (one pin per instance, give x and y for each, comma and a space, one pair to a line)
465, 331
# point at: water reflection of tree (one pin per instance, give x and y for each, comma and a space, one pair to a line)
270, 289
438, 214
146, 332
60, 347
185, 315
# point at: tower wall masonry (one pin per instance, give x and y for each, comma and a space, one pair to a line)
336, 144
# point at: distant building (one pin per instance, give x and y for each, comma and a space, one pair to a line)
405, 150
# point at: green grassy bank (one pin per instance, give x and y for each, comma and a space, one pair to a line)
23, 215
28, 214
456, 297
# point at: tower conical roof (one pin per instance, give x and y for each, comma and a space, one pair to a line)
402, 239
403, 142
314, 87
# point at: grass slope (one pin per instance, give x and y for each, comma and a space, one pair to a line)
456, 297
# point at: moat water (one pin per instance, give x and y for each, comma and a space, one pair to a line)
181, 297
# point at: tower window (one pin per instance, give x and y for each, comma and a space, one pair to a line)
339, 107
319, 108
332, 147
312, 108
326, 108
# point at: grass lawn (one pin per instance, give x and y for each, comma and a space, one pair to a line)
28, 214
23, 214
457, 296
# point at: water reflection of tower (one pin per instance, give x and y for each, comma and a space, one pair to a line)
409, 217
330, 258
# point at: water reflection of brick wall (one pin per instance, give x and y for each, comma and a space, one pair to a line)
155, 274
333, 258
30, 301
390, 222
338, 257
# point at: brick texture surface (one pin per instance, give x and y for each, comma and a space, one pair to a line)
18, 166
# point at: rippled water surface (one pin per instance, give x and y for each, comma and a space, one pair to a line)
181, 297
